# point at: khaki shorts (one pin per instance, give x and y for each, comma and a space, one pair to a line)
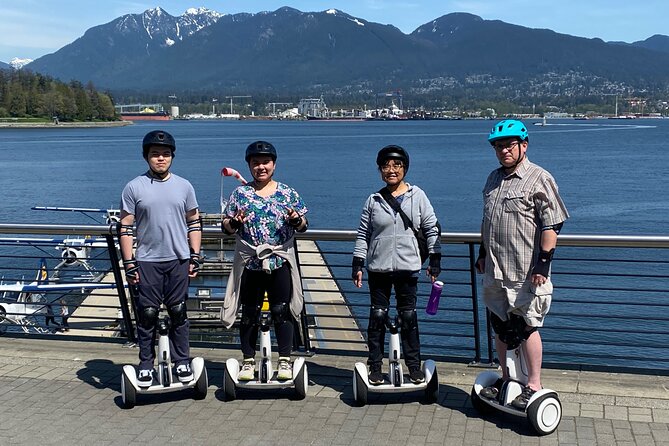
524, 299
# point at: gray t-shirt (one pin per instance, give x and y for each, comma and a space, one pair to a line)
160, 209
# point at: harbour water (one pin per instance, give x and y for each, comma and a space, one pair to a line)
611, 175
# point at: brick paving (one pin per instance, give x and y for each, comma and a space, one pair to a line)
68, 392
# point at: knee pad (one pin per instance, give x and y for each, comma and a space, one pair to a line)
408, 320
377, 319
280, 313
512, 331
148, 317
178, 314
250, 315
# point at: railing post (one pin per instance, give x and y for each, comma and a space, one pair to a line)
120, 287
303, 315
475, 309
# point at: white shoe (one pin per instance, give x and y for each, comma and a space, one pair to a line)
248, 371
145, 378
285, 369
184, 373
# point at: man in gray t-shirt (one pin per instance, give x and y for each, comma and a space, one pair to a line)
164, 210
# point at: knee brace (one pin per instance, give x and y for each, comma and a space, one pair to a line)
512, 331
178, 314
250, 315
148, 317
378, 318
408, 320
280, 313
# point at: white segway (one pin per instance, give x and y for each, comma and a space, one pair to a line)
164, 380
543, 410
266, 375
396, 382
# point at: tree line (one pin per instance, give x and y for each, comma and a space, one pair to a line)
24, 94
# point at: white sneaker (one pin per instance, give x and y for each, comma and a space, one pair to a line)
285, 369
184, 373
248, 371
145, 378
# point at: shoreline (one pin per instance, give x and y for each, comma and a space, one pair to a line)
69, 125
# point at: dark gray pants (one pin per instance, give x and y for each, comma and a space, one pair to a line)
162, 283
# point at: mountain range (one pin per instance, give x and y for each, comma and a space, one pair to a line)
289, 51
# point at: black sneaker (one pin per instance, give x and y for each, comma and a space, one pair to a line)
492, 392
145, 378
375, 375
520, 402
184, 373
416, 376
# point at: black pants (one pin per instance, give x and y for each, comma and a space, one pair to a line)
162, 283
380, 287
278, 286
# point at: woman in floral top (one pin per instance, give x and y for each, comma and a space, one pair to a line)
265, 215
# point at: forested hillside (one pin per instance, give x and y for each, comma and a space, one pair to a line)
24, 94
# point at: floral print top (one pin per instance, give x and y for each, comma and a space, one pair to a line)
266, 218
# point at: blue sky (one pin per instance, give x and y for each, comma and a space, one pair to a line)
33, 28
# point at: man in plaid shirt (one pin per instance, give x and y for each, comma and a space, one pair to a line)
523, 214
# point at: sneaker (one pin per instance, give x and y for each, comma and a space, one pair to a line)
520, 402
416, 376
184, 373
145, 378
375, 375
285, 369
492, 392
248, 371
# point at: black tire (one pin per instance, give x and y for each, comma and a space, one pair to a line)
202, 385
228, 386
398, 378
3, 321
545, 414
432, 389
360, 390
302, 382
481, 406
128, 393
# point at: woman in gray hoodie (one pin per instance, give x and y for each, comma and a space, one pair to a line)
393, 258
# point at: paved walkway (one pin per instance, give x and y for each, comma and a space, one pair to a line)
67, 392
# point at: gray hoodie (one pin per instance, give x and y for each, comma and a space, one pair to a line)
384, 241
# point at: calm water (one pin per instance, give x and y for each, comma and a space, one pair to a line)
611, 173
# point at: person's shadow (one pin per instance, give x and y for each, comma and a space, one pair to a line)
101, 374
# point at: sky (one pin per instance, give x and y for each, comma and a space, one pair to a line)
33, 28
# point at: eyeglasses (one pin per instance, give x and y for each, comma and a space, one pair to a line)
500, 146
393, 167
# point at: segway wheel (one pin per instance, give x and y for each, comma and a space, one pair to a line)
359, 389
301, 383
128, 393
228, 386
432, 389
201, 385
481, 406
164, 374
545, 414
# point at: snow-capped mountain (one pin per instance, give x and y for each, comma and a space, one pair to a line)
106, 50
17, 63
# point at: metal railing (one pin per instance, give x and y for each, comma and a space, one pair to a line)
609, 308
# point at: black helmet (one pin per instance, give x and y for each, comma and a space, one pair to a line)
260, 148
158, 138
393, 152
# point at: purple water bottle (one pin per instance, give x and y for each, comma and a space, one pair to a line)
435, 294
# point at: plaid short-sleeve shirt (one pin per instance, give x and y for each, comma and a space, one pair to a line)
516, 207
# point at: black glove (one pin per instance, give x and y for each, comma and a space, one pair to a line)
295, 222
543, 265
196, 260
235, 224
357, 266
435, 264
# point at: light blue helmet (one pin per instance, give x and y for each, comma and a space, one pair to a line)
509, 128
